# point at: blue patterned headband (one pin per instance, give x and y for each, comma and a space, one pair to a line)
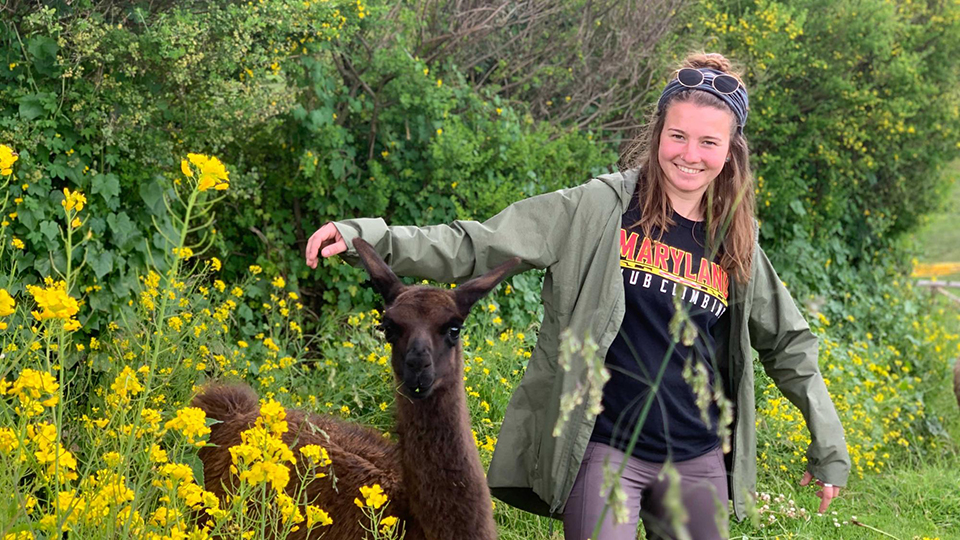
726, 87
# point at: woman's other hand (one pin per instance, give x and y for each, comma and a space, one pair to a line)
827, 491
326, 241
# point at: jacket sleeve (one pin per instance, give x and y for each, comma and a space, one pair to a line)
788, 351
532, 229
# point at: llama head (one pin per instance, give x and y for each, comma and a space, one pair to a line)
423, 323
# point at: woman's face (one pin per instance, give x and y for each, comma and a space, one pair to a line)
694, 146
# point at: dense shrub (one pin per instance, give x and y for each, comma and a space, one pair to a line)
315, 124
854, 115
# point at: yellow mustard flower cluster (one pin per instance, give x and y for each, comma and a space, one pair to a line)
55, 303
262, 455
98, 496
192, 423
873, 387
49, 453
211, 173
34, 390
7, 307
7, 158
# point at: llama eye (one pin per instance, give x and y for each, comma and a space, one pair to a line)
388, 328
453, 332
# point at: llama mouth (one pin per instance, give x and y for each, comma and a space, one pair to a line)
417, 392
418, 386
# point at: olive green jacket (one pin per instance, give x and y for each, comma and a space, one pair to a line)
574, 234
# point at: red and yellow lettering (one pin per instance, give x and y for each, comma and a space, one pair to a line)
628, 245
661, 256
643, 254
677, 255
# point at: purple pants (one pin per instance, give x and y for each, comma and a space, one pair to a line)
702, 479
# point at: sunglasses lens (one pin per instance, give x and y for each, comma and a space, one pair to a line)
726, 84
689, 77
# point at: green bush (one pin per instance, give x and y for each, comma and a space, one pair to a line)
854, 115
314, 124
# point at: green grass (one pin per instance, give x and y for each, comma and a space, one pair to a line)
939, 238
909, 501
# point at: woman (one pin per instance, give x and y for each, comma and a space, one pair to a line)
676, 228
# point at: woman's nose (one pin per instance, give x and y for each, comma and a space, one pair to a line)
690, 153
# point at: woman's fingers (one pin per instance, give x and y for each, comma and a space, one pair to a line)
826, 493
326, 242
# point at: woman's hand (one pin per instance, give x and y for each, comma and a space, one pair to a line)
327, 242
827, 491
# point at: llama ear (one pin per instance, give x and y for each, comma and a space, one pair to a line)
384, 280
475, 289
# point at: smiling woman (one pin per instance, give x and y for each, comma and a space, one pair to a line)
694, 147
660, 262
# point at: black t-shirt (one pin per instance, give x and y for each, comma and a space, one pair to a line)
655, 270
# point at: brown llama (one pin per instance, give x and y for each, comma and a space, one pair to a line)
432, 475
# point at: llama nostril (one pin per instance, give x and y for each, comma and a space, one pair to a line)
417, 362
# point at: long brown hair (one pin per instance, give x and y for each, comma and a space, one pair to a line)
727, 205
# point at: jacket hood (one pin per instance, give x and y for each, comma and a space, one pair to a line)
623, 183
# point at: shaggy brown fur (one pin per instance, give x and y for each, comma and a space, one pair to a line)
433, 475
360, 456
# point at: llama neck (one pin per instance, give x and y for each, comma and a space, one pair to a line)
439, 424
442, 468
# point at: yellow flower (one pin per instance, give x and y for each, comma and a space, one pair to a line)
7, 158
185, 168
255, 269
316, 454
175, 322
8, 440
373, 496
158, 455
279, 282
126, 384
215, 264
35, 390
54, 301
75, 223
112, 459
18, 243
183, 253
50, 452
7, 303
268, 343
317, 516
213, 174
190, 421
387, 524
73, 200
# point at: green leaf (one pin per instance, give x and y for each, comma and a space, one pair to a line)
102, 263
28, 218
107, 186
50, 229
33, 106
152, 194
797, 207
44, 49
122, 229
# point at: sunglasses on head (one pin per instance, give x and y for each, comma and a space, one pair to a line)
692, 78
